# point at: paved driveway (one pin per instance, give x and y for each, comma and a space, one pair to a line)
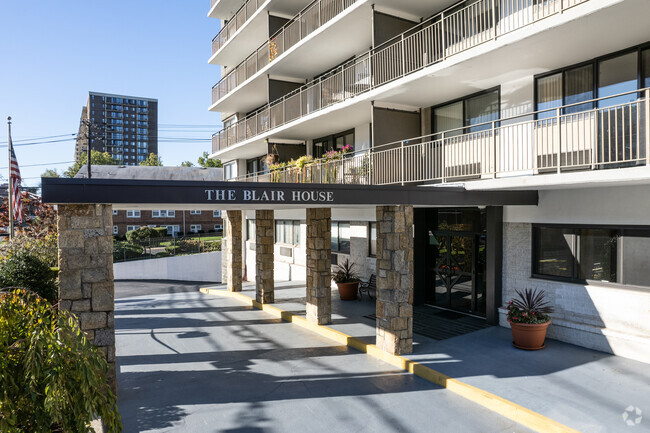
189, 362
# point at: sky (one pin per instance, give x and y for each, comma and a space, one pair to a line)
52, 53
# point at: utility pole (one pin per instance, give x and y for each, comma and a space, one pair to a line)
10, 205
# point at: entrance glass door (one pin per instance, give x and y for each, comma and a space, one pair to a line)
458, 271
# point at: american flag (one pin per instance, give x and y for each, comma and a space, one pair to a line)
14, 178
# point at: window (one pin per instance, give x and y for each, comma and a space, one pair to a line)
332, 142
250, 230
114, 212
287, 232
195, 228
470, 114
216, 214
163, 213
372, 239
173, 229
617, 255
195, 212
129, 228
114, 230
341, 237
229, 171
218, 227
133, 214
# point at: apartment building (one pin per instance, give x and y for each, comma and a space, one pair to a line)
124, 126
177, 222
486, 96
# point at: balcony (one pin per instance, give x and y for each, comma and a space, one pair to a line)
310, 19
557, 141
442, 37
245, 12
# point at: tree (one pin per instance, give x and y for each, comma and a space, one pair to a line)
39, 219
205, 161
51, 173
96, 158
187, 164
152, 160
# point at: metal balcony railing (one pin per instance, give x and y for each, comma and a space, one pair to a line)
614, 134
299, 27
242, 15
453, 31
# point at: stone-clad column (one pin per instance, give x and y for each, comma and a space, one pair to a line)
395, 279
319, 262
232, 254
264, 242
86, 273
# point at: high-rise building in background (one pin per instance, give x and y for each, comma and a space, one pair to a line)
124, 126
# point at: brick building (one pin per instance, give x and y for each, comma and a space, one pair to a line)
176, 221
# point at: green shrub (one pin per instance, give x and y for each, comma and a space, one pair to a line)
51, 377
126, 251
172, 250
161, 232
26, 269
45, 248
210, 246
141, 233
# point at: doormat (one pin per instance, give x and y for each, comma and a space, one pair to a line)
442, 324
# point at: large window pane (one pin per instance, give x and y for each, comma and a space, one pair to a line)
480, 109
344, 238
296, 233
636, 257
549, 95
578, 87
616, 76
554, 252
335, 236
448, 117
597, 259
373, 240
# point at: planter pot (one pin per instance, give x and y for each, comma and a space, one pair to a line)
348, 291
529, 336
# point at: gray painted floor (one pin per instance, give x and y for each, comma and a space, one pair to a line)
189, 362
581, 388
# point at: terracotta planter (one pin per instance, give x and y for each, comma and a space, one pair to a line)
348, 291
529, 336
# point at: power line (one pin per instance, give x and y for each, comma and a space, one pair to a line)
41, 165
38, 138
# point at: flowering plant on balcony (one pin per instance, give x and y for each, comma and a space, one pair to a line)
273, 49
331, 155
304, 161
347, 149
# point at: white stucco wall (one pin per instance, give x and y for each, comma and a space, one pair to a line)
195, 267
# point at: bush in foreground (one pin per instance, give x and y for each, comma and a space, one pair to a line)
24, 268
51, 377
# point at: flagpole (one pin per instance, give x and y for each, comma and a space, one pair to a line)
10, 207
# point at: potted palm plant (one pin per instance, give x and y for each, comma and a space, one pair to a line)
528, 318
346, 280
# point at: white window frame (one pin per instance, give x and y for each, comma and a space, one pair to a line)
115, 230
133, 214
195, 212
114, 212
216, 214
163, 213
129, 228
218, 227
195, 228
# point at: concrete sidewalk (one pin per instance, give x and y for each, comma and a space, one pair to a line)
189, 362
587, 390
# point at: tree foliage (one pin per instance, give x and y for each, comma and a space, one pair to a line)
187, 164
26, 269
39, 219
52, 378
205, 161
50, 172
96, 158
152, 160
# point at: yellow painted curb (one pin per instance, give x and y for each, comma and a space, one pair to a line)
501, 406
